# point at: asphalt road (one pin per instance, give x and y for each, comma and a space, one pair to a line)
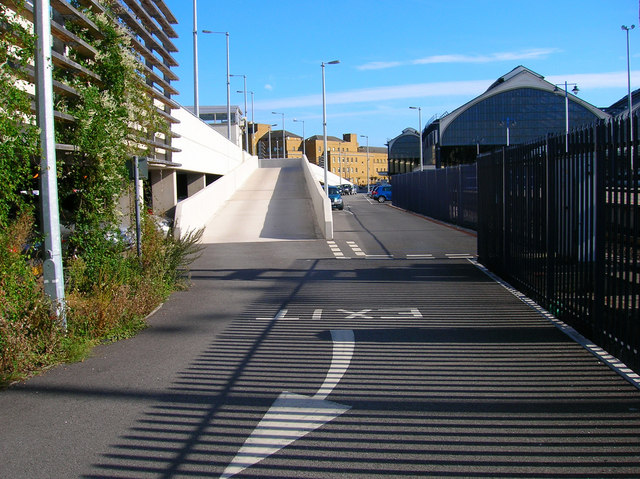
383, 353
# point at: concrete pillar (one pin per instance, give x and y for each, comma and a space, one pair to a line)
195, 183
164, 191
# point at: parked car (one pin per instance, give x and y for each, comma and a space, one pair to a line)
381, 193
336, 198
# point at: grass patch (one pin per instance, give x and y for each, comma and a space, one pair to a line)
106, 300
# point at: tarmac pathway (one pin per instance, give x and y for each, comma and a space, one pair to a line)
383, 353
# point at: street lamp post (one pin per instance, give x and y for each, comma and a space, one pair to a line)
508, 122
324, 124
420, 130
627, 29
270, 139
284, 143
246, 115
228, 84
566, 109
196, 104
304, 150
368, 178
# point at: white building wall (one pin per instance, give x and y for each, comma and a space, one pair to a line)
204, 150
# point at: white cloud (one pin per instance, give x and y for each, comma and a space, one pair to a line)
440, 89
268, 87
455, 58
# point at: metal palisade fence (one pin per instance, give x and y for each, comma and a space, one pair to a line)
447, 194
562, 227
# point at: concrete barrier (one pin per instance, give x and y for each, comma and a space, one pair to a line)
194, 212
321, 203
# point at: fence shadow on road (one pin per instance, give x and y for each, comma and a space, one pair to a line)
444, 381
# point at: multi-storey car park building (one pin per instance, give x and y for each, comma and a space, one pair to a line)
149, 26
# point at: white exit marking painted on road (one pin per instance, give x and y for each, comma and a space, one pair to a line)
402, 313
293, 416
282, 314
317, 314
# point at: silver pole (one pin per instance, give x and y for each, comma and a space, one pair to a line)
246, 114
304, 150
368, 177
324, 125
136, 179
253, 124
419, 133
228, 91
196, 104
52, 267
624, 27
566, 117
324, 133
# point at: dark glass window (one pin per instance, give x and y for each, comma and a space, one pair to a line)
531, 114
405, 147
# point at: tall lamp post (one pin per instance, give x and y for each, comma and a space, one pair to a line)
324, 124
246, 115
252, 111
274, 124
566, 109
228, 84
420, 132
368, 177
508, 123
284, 143
196, 104
624, 27
304, 150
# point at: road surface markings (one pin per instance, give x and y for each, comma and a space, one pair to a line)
335, 249
282, 314
420, 256
356, 249
293, 416
459, 256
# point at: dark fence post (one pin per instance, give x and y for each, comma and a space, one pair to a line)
599, 270
550, 206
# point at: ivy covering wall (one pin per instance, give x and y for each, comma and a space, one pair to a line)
105, 113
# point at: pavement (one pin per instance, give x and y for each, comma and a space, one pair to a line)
385, 352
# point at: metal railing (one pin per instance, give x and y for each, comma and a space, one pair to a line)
562, 227
447, 194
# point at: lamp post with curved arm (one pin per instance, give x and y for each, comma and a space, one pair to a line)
324, 124
304, 150
284, 142
228, 84
246, 115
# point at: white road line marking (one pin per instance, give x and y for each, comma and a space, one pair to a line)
317, 314
280, 315
293, 416
379, 256
422, 256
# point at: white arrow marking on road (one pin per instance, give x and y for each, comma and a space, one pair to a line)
293, 416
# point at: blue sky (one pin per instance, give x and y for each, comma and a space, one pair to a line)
433, 54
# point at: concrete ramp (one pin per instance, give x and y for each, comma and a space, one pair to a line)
274, 204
